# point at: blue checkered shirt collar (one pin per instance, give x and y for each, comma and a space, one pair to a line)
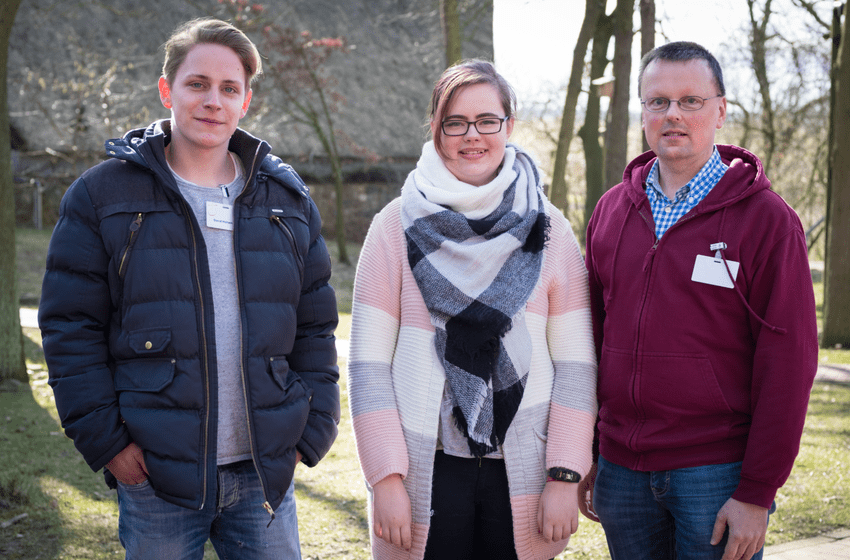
666, 212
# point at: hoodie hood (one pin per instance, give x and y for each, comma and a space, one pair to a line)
744, 178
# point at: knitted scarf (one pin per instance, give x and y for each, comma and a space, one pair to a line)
476, 255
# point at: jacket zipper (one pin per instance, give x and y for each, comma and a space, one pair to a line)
135, 225
647, 268
187, 211
266, 505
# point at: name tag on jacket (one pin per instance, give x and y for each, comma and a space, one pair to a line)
710, 270
219, 216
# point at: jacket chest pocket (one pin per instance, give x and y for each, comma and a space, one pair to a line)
149, 341
132, 235
291, 234
289, 237
138, 236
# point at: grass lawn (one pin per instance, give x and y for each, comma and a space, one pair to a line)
69, 512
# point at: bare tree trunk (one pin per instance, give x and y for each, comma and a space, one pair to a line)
339, 188
558, 190
647, 38
835, 33
339, 224
836, 305
451, 30
12, 364
758, 49
594, 153
617, 132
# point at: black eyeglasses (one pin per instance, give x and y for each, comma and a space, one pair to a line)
689, 103
487, 125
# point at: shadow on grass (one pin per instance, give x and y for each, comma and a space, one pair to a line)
829, 411
830, 399
63, 508
838, 375
353, 509
28, 455
813, 500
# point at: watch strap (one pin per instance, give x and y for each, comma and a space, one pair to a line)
563, 475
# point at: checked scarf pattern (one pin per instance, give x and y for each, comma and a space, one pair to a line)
476, 254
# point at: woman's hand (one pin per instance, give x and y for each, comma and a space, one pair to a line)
391, 512
557, 516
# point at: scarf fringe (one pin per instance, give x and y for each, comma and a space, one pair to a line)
478, 449
508, 400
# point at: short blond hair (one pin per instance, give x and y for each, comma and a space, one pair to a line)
213, 32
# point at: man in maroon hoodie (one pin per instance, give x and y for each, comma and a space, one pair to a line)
704, 319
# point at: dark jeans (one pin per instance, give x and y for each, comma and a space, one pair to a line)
470, 510
663, 515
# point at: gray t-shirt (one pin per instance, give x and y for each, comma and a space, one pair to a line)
233, 442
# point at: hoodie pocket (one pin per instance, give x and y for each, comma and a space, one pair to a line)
681, 385
682, 401
662, 400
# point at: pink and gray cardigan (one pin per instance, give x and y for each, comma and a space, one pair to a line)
396, 381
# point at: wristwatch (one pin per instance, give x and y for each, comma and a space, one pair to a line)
563, 475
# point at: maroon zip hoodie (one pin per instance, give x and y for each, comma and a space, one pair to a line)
693, 373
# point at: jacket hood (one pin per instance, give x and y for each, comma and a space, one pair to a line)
146, 147
744, 178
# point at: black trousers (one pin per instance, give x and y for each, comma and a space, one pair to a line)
470, 511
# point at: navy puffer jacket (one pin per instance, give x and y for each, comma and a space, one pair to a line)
127, 319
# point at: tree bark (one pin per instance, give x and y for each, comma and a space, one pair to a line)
617, 131
12, 364
336, 167
558, 190
450, 19
836, 305
594, 153
758, 49
835, 34
647, 38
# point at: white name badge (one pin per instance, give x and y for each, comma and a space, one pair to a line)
219, 216
710, 270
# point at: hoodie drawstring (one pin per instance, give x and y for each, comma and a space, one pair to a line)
778, 330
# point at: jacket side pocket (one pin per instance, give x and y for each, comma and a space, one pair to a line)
144, 376
290, 382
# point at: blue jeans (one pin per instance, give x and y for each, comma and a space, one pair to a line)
237, 524
663, 515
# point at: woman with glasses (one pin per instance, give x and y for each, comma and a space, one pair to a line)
472, 373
